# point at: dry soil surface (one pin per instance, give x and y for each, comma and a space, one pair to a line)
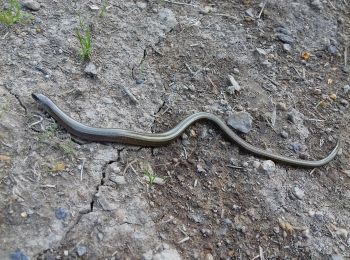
200, 197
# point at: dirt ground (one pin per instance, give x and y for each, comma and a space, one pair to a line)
201, 197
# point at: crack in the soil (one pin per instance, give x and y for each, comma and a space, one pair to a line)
102, 181
17, 97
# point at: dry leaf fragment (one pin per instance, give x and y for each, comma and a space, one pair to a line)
58, 167
5, 158
333, 96
305, 55
286, 226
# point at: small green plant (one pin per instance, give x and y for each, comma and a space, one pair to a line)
49, 133
12, 14
84, 36
67, 147
150, 176
103, 9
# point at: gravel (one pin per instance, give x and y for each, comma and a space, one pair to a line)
241, 121
61, 213
299, 193
81, 250
32, 5
90, 69
285, 38
267, 166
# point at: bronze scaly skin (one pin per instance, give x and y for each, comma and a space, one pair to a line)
160, 139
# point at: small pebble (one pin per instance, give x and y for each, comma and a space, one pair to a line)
241, 121
250, 12
236, 71
81, 250
284, 134
333, 96
298, 148
267, 166
61, 213
344, 102
118, 179
287, 47
306, 234
18, 255
317, 91
200, 169
24, 214
281, 106
316, 4
107, 100
283, 30
256, 164
285, 38
32, 5
234, 87
139, 81
209, 256
346, 89
299, 193
65, 253
90, 69
342, 233
276, 229
332, 49
206, 232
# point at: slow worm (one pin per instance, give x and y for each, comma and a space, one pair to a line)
160, 139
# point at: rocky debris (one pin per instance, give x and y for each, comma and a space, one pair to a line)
298, 148
295, 116
209, 256
18, 255
316, 4
346, 89
31, 5
281, 106
241, 121
167, 19
250, 12
118, 179
61, 213
113, 168
299, 193
163, 253
332, 49
267, 166
287, 47
284, 134
337, 257
200, 169
90, 69
284, 35
206, 232
234, 87
81, 250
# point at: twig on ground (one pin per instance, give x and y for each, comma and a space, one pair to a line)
261, 253
262, 9
37, 122
346, 56
179, 3
190, 70
183, 240
233, 166
131, 95
129, 165
82, 168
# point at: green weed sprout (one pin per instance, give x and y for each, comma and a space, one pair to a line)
12, 14
84, 36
